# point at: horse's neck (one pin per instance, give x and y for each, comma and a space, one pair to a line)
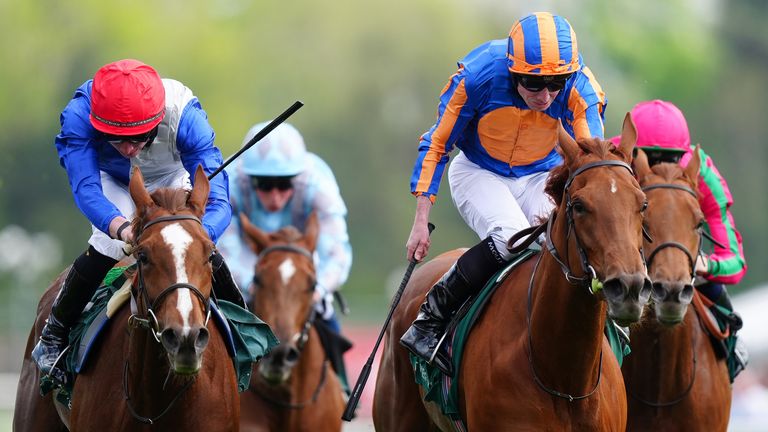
566, 329
661, 355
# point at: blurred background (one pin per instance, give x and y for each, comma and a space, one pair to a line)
369, 73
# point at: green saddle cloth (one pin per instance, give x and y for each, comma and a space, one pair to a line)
252, 337
444, 391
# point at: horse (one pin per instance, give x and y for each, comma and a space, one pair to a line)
536, 358
167, 369
293, 388
674, 380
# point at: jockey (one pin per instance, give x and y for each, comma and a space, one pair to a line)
128, 116
501, 109
662, 133
278, 183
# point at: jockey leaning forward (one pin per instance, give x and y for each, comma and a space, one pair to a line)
128, 116
501, 109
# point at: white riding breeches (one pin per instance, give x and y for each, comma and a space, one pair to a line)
494, 205
119, 195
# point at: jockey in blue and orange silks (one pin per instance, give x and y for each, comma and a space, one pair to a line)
501, 109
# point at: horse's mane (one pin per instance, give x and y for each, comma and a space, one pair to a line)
594, 148
167, 200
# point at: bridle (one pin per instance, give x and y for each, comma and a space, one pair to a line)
150, 322
589, 279
300, 338
678, 245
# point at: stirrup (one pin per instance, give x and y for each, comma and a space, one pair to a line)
439, 359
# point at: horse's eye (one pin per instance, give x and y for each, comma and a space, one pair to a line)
142, 257
256, 280
579, 207
644, 207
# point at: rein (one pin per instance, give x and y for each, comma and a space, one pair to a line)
685, 392
151, 323
299, 338
589, 279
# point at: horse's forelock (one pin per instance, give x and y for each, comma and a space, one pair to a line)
288, 234
668, 171
167, 200
590, 147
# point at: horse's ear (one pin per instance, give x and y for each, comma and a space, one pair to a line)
139, 192
694, 165
569, 148
640, 165
257, 239
311, 230
198, 197
628, 138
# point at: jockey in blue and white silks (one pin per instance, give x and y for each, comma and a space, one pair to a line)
298, 183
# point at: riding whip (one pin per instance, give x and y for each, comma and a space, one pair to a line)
349, 411
261, 134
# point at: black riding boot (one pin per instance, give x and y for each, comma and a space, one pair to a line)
740, 356
83, 279
464, 279
224, 285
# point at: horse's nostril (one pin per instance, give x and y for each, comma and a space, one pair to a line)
170, 340
686, 294
202, 339
658, 291
292, 356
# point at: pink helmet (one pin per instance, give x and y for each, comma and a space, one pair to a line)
127, 98
661, 126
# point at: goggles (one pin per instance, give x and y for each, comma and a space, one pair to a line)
657, 155
146, 137
266, 184
537, 83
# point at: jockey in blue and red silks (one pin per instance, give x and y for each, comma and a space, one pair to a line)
501, 109
128, 116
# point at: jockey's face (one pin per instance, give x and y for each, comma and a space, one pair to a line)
538, 100
274, 199
128, 149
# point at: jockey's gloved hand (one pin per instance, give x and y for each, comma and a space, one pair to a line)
323, 302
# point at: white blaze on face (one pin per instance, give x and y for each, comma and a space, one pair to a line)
613, 186
178, 239
287, 269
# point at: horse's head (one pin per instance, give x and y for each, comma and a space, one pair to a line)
173, 254
601, 206
674, 221
283, 291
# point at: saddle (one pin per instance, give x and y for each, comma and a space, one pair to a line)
246, 337
720, 324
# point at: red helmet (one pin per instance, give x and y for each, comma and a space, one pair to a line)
128, 98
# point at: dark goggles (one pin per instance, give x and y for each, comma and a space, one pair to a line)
146, 137
266, 184
661, 156
537, 83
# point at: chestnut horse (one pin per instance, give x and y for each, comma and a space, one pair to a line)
168, 369
674, 380
293, 388
536, 358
